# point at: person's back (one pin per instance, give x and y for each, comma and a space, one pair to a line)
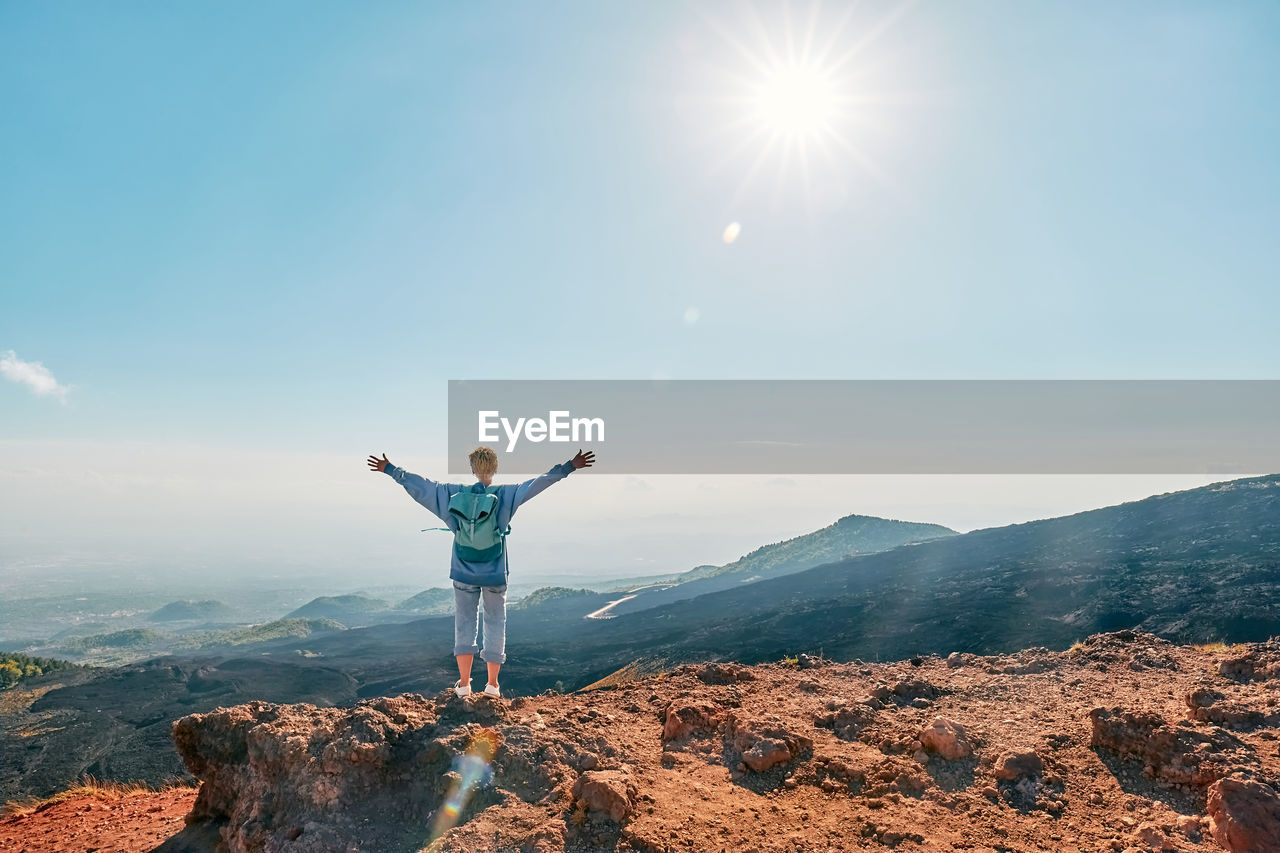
475, 580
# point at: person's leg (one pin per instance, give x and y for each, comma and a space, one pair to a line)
466, 604
494, 600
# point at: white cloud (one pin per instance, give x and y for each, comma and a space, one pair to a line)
33, 374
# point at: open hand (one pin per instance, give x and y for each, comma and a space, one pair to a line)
376, 464
584, 460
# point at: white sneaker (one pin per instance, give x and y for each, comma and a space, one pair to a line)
492, 690
460, 689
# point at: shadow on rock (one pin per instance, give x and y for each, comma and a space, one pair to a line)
197, 837
1129, 776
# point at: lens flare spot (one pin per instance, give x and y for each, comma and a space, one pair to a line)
691, 315
470, 770
731, 232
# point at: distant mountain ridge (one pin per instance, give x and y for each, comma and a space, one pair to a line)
347, 609
178, 611
846, 537
849, 536
429, 601
543, 595
1198, 565
129, 637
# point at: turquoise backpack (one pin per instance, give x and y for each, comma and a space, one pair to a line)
477, 539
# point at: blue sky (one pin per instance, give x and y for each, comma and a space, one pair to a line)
283, 227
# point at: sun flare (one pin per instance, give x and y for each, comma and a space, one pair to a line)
805, 97
797, 100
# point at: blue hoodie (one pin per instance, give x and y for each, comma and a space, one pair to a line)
435, 497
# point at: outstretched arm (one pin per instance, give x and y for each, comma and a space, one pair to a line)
432, 495
529, 488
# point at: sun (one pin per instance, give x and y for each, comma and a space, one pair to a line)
796, 100
801, 97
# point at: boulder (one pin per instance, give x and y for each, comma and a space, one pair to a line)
1151, 836
1019, 765
1202, 697
764, 744
946, 739
765, 753
683, 719
606, 792
1244, 814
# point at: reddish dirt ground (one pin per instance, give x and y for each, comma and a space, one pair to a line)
99, 823
849, 774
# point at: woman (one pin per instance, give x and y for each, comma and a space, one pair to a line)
474, 580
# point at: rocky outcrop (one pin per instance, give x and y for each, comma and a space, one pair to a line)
1180, 754
1257, 664
1244, 815
1024, 662
846, 720
303, 778
907, 691
755, 744
682, 719
283, 770
723, 673
1207, 705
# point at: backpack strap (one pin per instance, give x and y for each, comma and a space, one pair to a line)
493, 490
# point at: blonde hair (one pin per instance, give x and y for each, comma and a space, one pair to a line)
484, 462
